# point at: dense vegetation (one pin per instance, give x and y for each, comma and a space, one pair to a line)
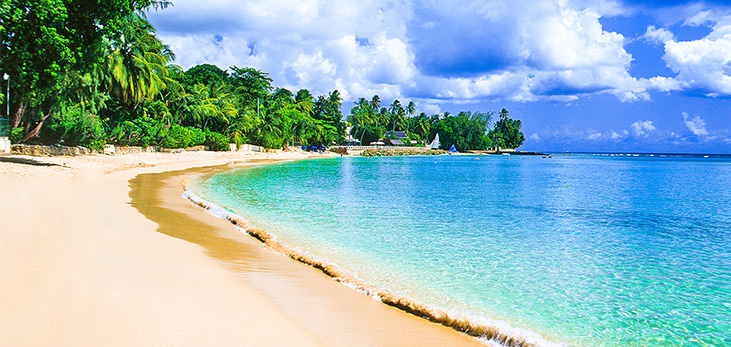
91, 72
466, 131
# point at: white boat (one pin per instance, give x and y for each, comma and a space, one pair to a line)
434, 144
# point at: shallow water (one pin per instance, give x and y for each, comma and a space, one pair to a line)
587, 250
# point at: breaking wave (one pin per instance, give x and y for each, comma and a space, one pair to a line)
486, 329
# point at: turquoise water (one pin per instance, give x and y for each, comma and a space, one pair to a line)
587, 250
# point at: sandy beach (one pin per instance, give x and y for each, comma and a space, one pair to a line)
104, 250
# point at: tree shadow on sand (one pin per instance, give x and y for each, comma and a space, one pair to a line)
25, 161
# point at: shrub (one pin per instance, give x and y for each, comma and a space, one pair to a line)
216, 141
143, 131
198, 137
74, 127
178, 137
16, 135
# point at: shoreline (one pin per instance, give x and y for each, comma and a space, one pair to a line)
81, 265
479, 327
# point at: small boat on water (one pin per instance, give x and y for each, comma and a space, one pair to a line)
435, 144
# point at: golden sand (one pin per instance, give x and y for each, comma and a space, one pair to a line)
93, 254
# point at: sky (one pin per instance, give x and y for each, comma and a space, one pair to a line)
582, 75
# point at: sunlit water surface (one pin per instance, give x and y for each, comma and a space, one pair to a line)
588, 250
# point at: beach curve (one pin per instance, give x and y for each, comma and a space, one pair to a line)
81, 265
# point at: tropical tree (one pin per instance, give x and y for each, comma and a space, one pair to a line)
465, 131
251, 84
212, 104
329, 118
137, 64
506, 133
419, 126
361, 116
396, 114
305, 101
204, 74
41, 41
411, 109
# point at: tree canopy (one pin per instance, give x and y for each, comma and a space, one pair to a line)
506, 133
90, 72
41, 41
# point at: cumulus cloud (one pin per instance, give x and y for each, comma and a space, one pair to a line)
441, 50
607, 136
696, 125
658, 35
642, 128
702, 65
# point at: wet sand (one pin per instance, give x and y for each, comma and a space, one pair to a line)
333, 313
91, 253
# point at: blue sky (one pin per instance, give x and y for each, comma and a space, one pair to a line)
582, 75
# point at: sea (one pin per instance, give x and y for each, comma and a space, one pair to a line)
585, 250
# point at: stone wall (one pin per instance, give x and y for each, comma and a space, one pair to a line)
50, 151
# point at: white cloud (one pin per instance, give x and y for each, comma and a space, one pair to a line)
618, 135
453, 49
696, 125
535, 137
703, 64
430, 108
642, 128
607, 136
658, 35
594, 136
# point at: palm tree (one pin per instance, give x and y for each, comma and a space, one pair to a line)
423, 125
376, 102
397, 114
305, 101
411, 108
136, 65
362, 116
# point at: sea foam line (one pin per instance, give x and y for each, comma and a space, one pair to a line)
486, 329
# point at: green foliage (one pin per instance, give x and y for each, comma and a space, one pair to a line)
419, 127
136, 64
16, 135
216, 141
74, 127
506, 133
143, 131
250, 83
371, 134
182, 137
41, 41
466, 131
204, 74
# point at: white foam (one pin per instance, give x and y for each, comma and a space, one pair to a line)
507, 335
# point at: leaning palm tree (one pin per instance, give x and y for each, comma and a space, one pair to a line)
136, 65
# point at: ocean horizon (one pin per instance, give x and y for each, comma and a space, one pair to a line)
608, 249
